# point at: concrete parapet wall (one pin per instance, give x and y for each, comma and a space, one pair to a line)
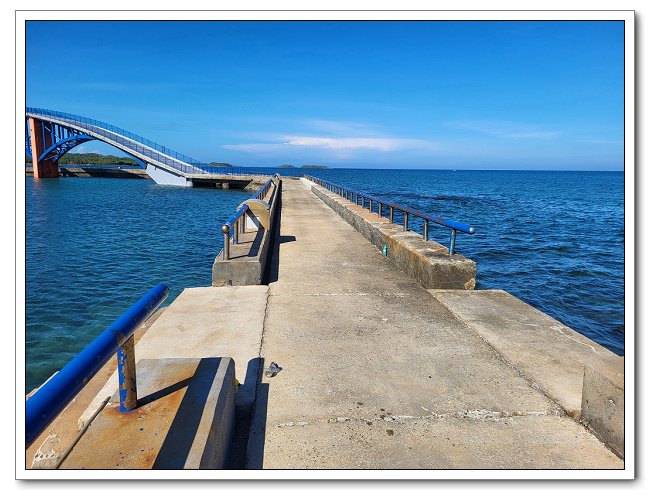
428, 262
249, 258
603, 408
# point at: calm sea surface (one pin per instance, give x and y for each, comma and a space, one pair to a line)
94, 246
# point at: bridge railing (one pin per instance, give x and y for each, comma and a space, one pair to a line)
137, 143
55, 394
154, 150
236, 225
360, 198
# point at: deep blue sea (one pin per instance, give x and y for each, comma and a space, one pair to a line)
94, 246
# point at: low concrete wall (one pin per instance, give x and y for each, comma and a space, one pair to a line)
428, 262
249, 258
603, 409
89, 171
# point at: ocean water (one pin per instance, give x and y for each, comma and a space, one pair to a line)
94, 246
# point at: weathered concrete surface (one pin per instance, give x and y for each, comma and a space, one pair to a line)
360, 342
202, 323
48, 449
428, 262
184, 420
249, 257
550, 354
603, 409
438, 442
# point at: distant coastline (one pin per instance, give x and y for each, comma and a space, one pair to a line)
96, 160
314, 166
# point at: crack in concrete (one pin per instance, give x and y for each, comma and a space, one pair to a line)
562, 330
363, 294
474, 415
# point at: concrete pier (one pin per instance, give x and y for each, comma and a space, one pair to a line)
378, 373
381, 372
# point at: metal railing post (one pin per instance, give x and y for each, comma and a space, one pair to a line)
426, 230
226, 242
390, 214
452, 242
380, 207
126, 375
406, 221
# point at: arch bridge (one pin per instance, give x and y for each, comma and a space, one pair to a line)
50, 134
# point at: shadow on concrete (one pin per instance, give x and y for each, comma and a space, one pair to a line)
257, 428
255, 245
164, 392
273, 263
251, 400
177, 444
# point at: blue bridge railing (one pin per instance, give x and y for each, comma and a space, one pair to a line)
359, 197
49, 400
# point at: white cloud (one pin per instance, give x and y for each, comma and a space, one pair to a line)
336, 143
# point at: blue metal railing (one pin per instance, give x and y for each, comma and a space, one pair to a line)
134, 142
359, 197
54, 395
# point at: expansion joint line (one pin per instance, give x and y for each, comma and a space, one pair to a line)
471, 415
531, 383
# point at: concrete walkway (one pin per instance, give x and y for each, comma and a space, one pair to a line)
378, 373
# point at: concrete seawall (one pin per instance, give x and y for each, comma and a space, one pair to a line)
88, 171
428, 262
249, 257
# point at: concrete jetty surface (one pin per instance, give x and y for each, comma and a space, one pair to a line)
377, 372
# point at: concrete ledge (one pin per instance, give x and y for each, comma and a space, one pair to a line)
185, 420
549, 354
428, 262
603, 409
248, 258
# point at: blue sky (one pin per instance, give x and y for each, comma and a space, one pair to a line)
418, 94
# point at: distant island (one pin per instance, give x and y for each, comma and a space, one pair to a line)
96, 159
286, 166
219, 164
314, 166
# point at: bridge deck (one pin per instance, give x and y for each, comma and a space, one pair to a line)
377, 373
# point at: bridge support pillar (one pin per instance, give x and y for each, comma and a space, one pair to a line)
40, 142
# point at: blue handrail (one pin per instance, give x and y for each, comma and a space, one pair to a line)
50, 399
380, 203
